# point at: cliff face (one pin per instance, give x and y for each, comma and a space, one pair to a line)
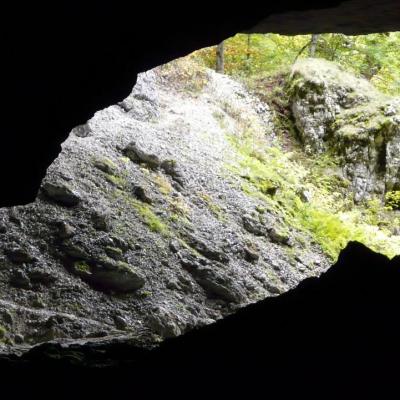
143, 227
346, 116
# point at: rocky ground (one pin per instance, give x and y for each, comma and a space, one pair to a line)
142, 228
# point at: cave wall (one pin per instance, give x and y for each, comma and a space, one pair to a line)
61, 64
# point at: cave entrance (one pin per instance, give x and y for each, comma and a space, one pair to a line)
225, 177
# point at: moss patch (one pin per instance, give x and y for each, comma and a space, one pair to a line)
330, 218
154, 223
82, 268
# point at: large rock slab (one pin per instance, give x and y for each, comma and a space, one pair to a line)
337, 113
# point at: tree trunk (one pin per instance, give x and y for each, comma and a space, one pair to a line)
313, 44
220, 58
248, 47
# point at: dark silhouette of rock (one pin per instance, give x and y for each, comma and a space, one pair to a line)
336, 331
75, 72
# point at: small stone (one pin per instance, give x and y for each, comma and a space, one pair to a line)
252, 225
173, 285
20, 279
162, 323
206, 248
142, 194
14, 216
18, 255
7, 317
101, 220
61, 193
175, 246
38, 303
65, 230
120, 243
140, 155
53, 321
3, 228
82, 130
74, 250
114, 252
278, 237
170, 167
18, 339
38, 275
301, 267
274, 289
120, 322
251, 253
110, 275
105, 165
305, 196
97, 334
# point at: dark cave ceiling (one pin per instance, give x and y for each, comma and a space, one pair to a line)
61, 64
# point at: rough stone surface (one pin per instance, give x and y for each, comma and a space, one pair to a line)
141, 227
346, 116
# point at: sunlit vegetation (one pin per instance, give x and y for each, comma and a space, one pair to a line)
280, 179
374, 56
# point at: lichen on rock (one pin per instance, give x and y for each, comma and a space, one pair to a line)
335, 111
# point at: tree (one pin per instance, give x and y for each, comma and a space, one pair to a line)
220, 58
313, 44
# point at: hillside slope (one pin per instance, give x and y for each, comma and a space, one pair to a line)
154, 219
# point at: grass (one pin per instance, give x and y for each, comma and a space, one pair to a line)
330, 218
154, 223
212, 206
163, 184
118, 181
82, 268
3, 332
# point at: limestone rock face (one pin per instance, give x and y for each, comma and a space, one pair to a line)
338, 113
140, 228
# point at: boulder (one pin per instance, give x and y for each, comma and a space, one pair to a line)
139, 154
253, 225
101, 220
19, 255
65, 230
278, 236
346, 116
110, 275
207, 248
170, 167
61, 193
41, 276
20, 279
142, 194
215, 282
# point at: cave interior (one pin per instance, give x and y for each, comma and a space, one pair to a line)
62, 64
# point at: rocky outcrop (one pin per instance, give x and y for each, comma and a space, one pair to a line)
140, 228
346, 116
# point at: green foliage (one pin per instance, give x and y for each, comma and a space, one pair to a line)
392, 200
105, 164
373, 56
212, 206
118, 181
185, 74
330, 218
163, 184
82, 268
3, 332
154, 223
